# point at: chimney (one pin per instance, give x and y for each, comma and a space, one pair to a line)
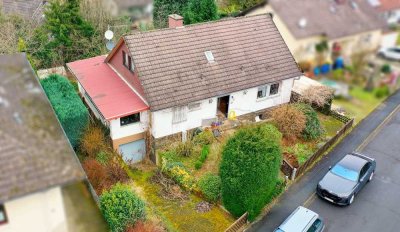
175, 20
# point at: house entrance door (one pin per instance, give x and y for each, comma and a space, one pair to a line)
223, 105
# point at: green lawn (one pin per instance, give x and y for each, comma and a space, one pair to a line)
178, 215
361, 104
330, 124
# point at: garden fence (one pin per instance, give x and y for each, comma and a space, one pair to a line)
293, 173
238, 224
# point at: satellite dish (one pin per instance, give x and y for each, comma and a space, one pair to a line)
110, 45
109, 34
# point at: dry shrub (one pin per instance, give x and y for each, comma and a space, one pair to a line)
146, 226
93, 141
96, 173
116, 172
289, 120
318, 95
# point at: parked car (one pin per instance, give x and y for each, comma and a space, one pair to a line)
346, 179
391, 53
302, 220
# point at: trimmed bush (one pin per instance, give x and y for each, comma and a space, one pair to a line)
69, 108
313, 129
121, 207
210, 187
204, 138
203, 156
249, 171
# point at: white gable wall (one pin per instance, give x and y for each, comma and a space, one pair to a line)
240, 102
42, 211
117, 131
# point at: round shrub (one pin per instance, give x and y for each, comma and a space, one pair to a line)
313, 129
210, 186
249, 171
382, 92
184, 148
121, 207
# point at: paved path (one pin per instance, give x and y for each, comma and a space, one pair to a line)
377, 207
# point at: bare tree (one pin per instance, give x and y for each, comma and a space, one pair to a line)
318, 95
289, 120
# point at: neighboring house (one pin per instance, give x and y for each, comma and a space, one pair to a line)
29, 9
135, 9
354, 25
160, 84
36, 159
390, 10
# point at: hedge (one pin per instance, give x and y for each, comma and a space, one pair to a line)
249, 171
69, 108
203, 156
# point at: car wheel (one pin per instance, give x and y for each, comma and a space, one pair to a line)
371, 176
351, 199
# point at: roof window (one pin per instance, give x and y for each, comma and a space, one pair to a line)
209, 56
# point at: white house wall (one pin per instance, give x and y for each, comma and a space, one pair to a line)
162, 120
243, 103
42, 211
117, 131
239, 102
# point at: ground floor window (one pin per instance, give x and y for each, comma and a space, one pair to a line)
3, 215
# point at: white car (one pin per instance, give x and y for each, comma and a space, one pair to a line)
391, 53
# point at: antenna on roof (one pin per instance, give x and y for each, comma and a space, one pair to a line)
109, 35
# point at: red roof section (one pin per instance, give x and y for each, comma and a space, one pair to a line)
387, 5
111, 95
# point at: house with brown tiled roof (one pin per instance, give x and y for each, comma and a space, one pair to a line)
352, 26
390, 10
37, 163
164, 83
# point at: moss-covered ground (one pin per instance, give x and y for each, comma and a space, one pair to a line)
178, 215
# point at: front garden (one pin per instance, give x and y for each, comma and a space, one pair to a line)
201, 184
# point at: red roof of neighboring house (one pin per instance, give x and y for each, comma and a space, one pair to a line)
111, 95
387, 5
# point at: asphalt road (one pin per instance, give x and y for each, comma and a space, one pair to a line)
377, 206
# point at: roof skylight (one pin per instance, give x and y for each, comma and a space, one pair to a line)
209, 56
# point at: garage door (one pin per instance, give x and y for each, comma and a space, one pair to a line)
134, 151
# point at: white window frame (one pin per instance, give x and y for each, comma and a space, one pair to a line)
179, 114
267, 91
194, 106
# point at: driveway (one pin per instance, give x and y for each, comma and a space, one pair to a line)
376, 208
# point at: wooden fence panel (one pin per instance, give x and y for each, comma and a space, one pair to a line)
238, 224
324, 148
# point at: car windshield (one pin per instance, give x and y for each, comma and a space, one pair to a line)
344, 172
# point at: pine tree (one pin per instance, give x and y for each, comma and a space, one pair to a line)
200, 11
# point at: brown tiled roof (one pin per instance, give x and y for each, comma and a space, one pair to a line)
34, 151
327, 17
174, 71
25, 8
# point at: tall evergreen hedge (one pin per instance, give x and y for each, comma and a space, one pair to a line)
69, 108
249, 170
